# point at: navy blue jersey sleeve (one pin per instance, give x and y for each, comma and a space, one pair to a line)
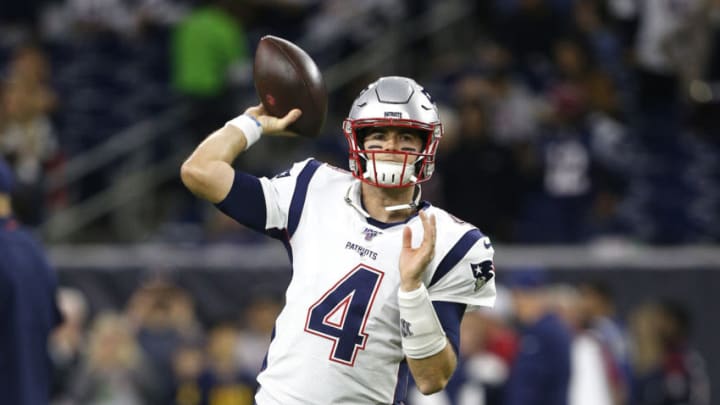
245, 202
450, 315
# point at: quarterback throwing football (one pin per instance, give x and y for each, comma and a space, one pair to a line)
381, 278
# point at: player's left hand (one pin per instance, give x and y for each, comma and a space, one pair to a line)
413, 262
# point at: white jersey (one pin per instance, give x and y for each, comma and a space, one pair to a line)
337, 340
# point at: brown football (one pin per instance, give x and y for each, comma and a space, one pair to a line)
286, 77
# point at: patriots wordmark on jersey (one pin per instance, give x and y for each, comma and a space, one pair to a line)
338, 338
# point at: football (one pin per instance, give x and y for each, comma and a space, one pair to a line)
286, 77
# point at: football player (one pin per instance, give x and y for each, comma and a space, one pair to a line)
381, 278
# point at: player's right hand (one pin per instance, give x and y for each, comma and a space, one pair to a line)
271, 124
414, 261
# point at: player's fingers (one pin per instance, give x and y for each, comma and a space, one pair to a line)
433, 228
428, 223
428, 243
256, 110
289, 118
407, 238
424, 222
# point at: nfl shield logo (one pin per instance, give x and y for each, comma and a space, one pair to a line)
370, 233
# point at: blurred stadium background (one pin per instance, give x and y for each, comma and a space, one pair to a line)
581, 135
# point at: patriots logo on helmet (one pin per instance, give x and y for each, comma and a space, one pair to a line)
482, 272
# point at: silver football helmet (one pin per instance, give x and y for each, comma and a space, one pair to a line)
393, 102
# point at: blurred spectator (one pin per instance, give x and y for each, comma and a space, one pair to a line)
114, 369
114, 16
513, 109
206, 45
657, 55
659, 61
338, 27
476, 164
559, 213
223, 382
18, 20
611, 151
682, 362
27, 139
284, 18
540, 373
563, 300
209, 60
665, 53
188, 365
68, 341
666, 370
121, 18
590, 20
28, 308
590, 382
535, 29
646, 352
254, 337
694, 48
164, 318
702, 70
598, 317
212, 376
578, 192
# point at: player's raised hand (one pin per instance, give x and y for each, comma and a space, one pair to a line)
271, 124
414, 261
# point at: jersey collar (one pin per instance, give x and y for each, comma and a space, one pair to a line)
423, 205
352, 198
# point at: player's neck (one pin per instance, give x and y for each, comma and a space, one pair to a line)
532, 309
376, 199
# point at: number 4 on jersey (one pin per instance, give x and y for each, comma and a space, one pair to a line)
341, 313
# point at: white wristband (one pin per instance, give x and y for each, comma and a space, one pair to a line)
251, 128
420, 329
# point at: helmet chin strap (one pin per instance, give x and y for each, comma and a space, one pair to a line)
414, 204
417, 193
